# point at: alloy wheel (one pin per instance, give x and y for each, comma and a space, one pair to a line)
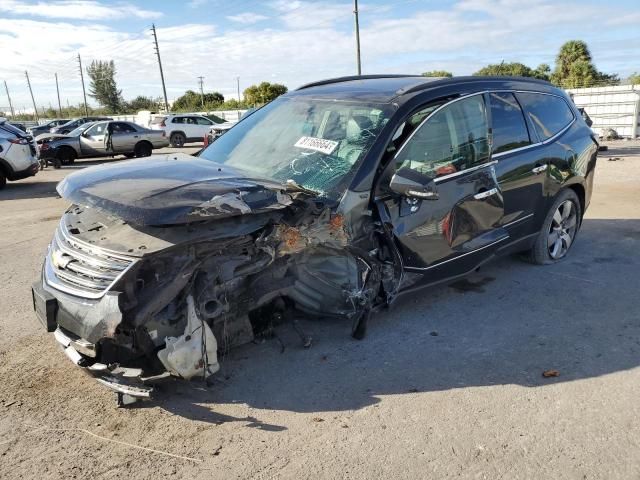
562, 230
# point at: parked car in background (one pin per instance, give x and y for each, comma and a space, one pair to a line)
99, 139
19, 126
216, 131
17, 154
46, 127
75, 123
183, 128
330, 202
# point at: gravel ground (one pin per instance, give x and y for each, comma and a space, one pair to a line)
448, 383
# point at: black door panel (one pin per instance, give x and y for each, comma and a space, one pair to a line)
465, 217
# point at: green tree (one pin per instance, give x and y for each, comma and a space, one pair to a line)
102, 85
575, 68
263, 93
142, 103
437, 73
192, 101
515, 69
634, 78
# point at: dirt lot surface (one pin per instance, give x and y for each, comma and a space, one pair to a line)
448, 383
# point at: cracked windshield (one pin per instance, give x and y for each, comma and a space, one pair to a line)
315, 143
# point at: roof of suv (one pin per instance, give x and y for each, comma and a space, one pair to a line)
386, 88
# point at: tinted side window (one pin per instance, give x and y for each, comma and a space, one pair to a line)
177, 120
120, 127
203, 121
549, 114
509, 128
451, 140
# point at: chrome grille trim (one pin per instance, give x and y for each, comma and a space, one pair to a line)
78, 268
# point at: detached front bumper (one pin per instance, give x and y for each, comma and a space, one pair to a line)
129, 383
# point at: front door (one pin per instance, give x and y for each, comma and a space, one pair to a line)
455, 229
92, 140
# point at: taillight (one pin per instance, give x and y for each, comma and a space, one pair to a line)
162, 124
205, 140
45, 146
19, 141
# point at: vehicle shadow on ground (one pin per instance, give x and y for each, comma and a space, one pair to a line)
506, 324
25, 189
620, 150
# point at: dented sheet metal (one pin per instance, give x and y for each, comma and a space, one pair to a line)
214, 263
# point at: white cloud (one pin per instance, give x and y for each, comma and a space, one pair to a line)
76, 9
311, 42
247, 18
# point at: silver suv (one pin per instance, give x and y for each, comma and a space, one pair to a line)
17, 154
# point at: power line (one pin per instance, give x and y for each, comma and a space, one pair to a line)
58, 92
84, 93
164, 88
35, 109
13, 113
201, 82
355, 13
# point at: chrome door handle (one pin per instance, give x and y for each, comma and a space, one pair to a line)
485, 194
539, 169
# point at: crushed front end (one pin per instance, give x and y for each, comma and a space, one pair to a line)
136, 304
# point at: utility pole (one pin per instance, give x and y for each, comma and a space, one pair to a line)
84, 93
355, 12
35, 109
200, 80
58, 90
164, 88
13, 113
238, 86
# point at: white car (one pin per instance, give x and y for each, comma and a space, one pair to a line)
184, 128
17, 154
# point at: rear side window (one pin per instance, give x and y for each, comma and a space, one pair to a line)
121, 127
509, 128
548, 113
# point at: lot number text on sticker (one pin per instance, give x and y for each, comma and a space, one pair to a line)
318, 144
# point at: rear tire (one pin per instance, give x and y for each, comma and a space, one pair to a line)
177, 140
66, 156
559, 230
143, 149
129, 155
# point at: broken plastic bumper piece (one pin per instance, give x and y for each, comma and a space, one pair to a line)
128, 383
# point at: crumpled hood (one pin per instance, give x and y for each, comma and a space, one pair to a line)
172, 189
44, 136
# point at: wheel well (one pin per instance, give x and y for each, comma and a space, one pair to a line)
579, 191
178, 131
66, 148
5, 169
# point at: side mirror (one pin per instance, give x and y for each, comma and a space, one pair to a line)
409, 183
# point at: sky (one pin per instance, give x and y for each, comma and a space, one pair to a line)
293, 42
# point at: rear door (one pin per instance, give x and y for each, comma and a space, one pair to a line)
124, 137
524, 127
460, 226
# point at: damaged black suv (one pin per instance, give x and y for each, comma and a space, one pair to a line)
330, 201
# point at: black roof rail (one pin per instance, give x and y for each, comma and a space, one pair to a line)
350, 78
477, 78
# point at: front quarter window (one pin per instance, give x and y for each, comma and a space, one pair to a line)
317, 143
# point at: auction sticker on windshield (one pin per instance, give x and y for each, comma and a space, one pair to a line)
318, 144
